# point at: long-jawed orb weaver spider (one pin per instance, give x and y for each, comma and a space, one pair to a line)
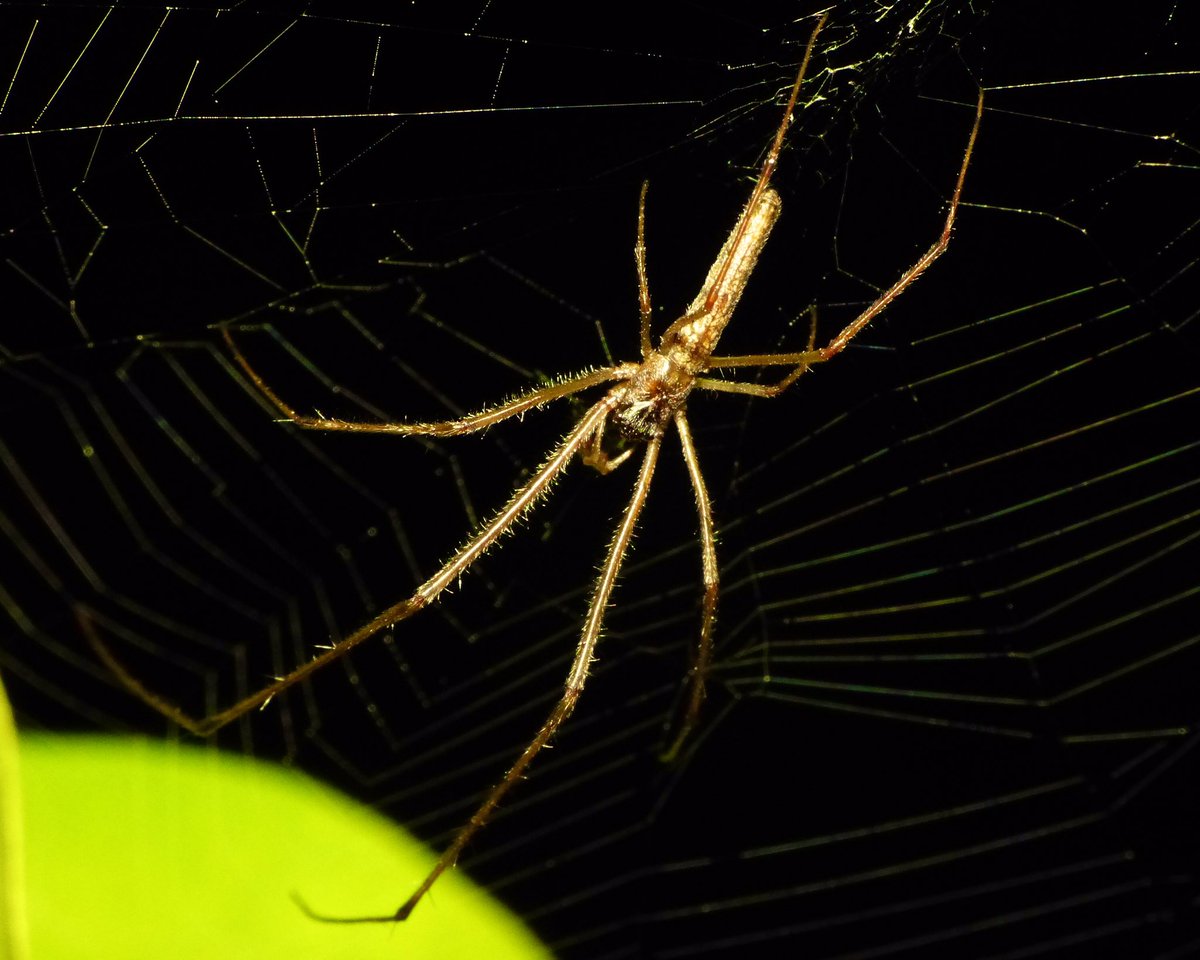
650, 397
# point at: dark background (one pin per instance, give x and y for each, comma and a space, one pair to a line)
954, 701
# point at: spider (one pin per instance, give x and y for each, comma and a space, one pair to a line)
649, 398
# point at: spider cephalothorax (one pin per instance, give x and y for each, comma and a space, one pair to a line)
648, 400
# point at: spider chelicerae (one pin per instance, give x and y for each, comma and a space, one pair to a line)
649, 398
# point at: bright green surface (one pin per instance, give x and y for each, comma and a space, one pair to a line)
142, 849
14, 933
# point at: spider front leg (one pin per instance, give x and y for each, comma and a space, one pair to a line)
580, 667
425, 594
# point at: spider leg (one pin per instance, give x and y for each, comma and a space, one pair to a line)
838, 343
425, 594
576, 678
835, 346
471, 423
802, 360
639, 256
708, 556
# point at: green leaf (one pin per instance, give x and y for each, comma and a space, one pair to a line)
137, 848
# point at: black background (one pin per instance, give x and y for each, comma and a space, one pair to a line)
955, 691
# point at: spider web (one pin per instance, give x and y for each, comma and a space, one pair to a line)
953, 704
